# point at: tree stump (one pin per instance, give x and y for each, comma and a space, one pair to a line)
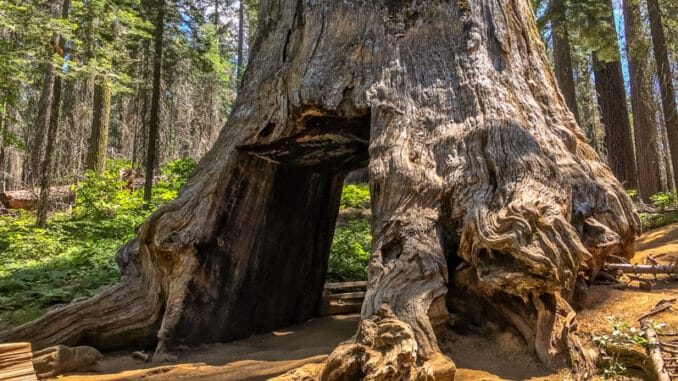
483, 189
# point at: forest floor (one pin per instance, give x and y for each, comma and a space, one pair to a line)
499, 357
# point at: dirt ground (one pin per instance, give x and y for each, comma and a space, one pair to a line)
502, 357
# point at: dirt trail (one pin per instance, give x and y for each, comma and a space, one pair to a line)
502, 357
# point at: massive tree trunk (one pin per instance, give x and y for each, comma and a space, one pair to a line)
562, 55
482, 185
614, 110
668, 92
644, 116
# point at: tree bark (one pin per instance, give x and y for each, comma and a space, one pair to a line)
154, 125
562, 56
98, 140
614, 115
644, 116
668, 93
614, 110
482, 185
41, 125
241, 42
666, 156
47, 165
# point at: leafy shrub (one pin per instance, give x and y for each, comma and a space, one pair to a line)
656, 220
350, 253
351, 246
664, 200
355, 196
178, 171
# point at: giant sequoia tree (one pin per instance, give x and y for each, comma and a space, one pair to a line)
487, 201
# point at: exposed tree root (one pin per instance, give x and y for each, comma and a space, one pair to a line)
125, 315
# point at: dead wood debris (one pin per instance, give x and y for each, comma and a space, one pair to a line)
660, 306
654, 351
671, 269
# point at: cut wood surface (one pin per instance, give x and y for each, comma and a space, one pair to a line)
16, 362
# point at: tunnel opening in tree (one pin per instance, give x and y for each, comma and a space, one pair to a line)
469, 141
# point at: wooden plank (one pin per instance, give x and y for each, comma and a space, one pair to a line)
335, 286
16, 362
347, 295
329, 309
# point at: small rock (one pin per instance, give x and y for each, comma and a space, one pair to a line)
61, 359
139, 355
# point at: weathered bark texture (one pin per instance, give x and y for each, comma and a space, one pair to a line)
481, 183
667, 90
562, 56
642, 103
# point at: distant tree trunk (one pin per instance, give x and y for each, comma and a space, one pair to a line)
483, 188
41, 125
47, 165
98, 140
668, 93
562, 56
666, 153
241, 41
154, 126
614, 111
642, 101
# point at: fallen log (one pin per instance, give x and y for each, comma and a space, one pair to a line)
16, 362
654, 351
643, 269
28, 199
629, 355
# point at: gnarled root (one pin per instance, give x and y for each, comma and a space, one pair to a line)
384, 348
121, 316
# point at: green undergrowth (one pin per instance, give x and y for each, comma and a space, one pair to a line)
656, 220
75, 255
350, 252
